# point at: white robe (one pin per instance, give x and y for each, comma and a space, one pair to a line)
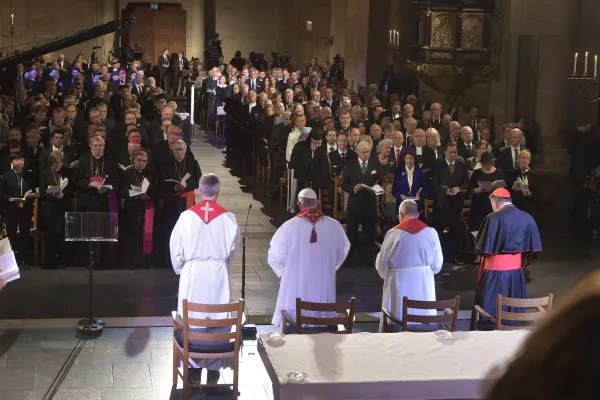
202, 254
407, 263
307, 270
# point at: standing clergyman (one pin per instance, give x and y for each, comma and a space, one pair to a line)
203, 246
305, 253
410, 256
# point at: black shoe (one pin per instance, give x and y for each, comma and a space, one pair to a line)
458, 261
195, 376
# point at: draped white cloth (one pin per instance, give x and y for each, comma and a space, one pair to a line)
202, 254
407, 263
307, 270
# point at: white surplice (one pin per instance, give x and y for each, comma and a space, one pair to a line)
407, 263
202, 254
307, 270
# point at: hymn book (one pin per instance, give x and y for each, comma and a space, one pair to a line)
376, 189
487, 186
522, 186
27, 195
183, 180
99, 180
74, 164
58, 189
446, 188
136, 190
124, 168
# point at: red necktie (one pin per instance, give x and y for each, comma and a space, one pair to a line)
397, 156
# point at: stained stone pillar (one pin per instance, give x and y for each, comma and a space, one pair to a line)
356, 42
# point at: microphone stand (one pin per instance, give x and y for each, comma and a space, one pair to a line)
248, 330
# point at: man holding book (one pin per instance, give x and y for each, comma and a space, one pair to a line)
18, 190
138, 189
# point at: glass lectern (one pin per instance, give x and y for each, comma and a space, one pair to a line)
91, 227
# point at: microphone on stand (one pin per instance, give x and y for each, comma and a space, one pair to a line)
248, 330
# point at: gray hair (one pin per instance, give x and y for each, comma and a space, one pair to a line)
409, 208
384, 143
363, 144
466, 129
308, 203
210, 185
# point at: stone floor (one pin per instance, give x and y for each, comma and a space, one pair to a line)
125, 293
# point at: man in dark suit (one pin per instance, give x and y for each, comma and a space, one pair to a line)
211, 86
423, 105
466, 147
473, 121
254, 83
362, 203
55, 145
302, 159
180, 64
425, 155
450, 182
436, 116
163, 66
329, 101
503, 142
509, 156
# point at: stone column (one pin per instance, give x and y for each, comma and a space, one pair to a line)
356, 40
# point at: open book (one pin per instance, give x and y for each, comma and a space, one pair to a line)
183, 180
136, 191
487, 186
9, 269
101, 181
124, 168
74, 164
58, 189
373, 189
522, 186
446, 188
27, 195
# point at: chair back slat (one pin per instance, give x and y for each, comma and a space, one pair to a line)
211, 308
211, 337
533, 310
452, 305
212, 323
346, 321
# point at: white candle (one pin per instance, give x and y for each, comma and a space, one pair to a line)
12, 19
596, 66
394, 40
309, 26
390, 36
585, 67
398, 38
575, 64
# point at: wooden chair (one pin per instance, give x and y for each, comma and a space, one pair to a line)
189, 344
38, 235
337, 324
466, 209
282, 185
447, 320
538, 306
428, 208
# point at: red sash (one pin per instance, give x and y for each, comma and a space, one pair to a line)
411, 225
190, 198
148, 244
499, 262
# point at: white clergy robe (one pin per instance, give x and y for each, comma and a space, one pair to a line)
407, 263
203, 246
307, 270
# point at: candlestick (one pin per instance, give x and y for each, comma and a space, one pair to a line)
596, 66
398, 38
390, 36
585, 67
575, 64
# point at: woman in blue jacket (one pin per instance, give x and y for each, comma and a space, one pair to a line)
410, 181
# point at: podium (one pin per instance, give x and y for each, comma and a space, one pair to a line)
91, 227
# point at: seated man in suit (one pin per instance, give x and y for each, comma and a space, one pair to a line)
425, 156
362, 203
504, 141
450, 182
466, 147
508, 159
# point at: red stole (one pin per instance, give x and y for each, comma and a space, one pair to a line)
411, 225
313, 216
148, 244
208, 210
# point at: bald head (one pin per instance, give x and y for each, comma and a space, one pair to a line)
408, 209
454, 129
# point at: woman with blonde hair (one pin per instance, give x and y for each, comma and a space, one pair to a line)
559, 359
433, 141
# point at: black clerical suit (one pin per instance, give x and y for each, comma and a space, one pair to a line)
466, 152
89, 198
505, 160
327, 166
52, 213
163, 65
301, 161
277, 146
17, 215
174, 202
449, 208
133, 217
362, 207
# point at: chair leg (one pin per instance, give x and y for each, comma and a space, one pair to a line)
175, 364
186, 388
235, 378
36, 256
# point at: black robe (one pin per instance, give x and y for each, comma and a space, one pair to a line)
90, 199
133, 216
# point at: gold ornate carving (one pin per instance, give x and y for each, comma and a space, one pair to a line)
443, 30
472, 31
